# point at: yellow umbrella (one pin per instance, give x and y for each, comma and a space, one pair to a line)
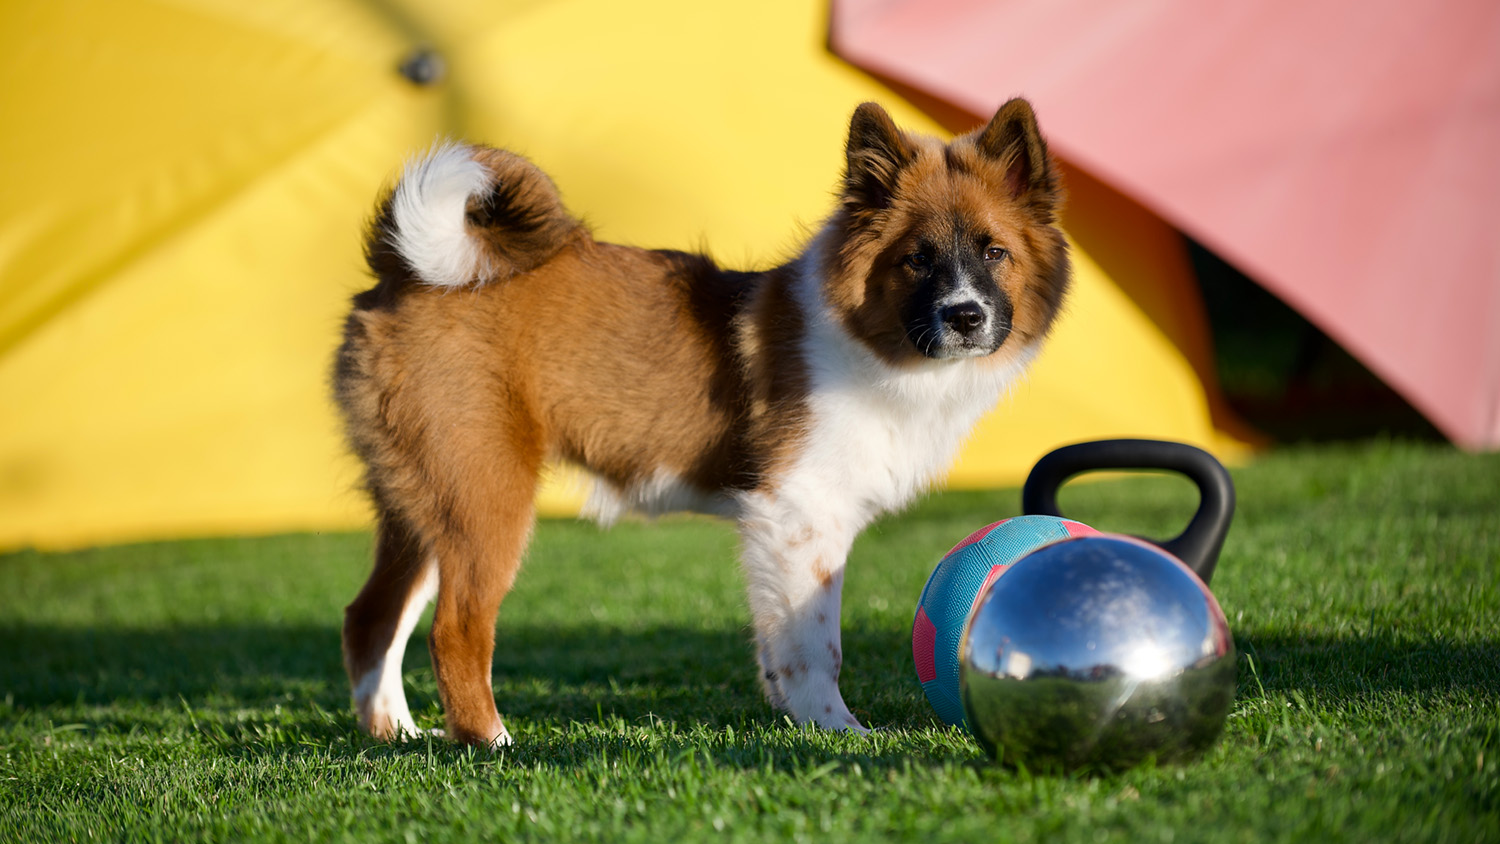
186, 185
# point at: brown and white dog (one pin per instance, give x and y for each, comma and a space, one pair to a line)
801, 402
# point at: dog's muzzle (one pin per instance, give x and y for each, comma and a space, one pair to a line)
963, 328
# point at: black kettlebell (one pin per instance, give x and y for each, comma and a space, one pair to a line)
1199, 544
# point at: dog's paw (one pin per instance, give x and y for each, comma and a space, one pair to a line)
502, 740
837, 718
391, 727
413, 733
815, 701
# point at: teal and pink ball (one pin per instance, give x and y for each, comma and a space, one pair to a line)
956, 584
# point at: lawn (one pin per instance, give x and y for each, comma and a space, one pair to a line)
195, 690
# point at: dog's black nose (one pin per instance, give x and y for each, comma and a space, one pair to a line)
964, 317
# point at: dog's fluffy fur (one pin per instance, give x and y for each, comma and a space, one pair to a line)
801, 401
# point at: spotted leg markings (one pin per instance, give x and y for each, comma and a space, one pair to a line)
795, 576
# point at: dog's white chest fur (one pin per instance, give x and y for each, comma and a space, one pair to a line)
878, 436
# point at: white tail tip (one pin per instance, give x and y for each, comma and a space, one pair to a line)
429, 208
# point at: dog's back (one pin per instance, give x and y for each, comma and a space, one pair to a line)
495, 307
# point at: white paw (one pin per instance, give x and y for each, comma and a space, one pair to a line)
502, 740
814, 699
839, 719
411, 732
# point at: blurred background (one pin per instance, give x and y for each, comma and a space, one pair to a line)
1284, 214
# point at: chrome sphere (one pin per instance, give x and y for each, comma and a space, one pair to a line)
1100, 650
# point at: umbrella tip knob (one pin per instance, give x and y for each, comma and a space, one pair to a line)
423, 66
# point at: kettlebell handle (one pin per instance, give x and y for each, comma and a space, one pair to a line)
1199, 544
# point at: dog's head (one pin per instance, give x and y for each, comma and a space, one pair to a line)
947, 251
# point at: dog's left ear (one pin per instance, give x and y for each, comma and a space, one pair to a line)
1013, 139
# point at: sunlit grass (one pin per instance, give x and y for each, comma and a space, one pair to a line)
195, 689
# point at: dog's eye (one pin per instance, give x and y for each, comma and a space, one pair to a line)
918, 261
995, 253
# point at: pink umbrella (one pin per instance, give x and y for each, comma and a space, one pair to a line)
1344, 154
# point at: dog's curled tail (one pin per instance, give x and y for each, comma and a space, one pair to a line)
469, 215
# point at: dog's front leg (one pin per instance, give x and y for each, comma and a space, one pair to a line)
794, 568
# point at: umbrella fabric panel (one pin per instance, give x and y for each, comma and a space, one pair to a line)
190, 185
128, 121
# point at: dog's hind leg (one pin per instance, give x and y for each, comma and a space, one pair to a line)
479, 546
377, 625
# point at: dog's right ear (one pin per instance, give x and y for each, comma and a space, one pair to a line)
876, 152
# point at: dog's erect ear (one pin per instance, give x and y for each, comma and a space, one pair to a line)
876, 152
1013, 140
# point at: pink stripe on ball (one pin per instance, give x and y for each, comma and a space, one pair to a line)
923, 638
975, 537
1078, 529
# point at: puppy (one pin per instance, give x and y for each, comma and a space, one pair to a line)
801, 401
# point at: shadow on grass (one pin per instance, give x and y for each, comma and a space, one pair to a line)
547, 671
1345, 668
253, 665
272, 690
557, 677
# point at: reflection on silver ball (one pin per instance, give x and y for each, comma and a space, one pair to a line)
1100, 650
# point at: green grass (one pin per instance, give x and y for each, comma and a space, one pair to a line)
195, 689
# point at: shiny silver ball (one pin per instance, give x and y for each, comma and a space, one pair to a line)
1099, 651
